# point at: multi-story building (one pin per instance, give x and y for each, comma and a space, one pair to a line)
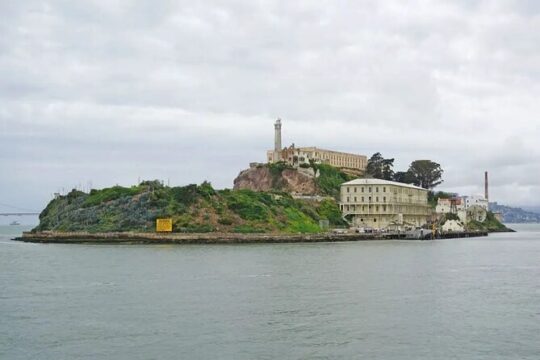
382, 204
296, 156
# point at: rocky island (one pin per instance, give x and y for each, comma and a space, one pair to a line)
300, 194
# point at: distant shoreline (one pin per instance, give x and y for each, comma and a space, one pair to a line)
213, 238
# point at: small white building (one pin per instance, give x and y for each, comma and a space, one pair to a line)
453, 226
475, 200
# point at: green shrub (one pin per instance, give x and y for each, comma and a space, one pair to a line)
330, 179
298, 222
225, 221
329, 209
206, 189
101, 196
185, 195
247, 204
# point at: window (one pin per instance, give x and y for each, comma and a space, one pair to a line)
377, 189
374, 220
348, 189
355, 199
370, 199
348, 199
377, 199
362, 189
384, 199
369, 189
384, 189
362, 199
355, 189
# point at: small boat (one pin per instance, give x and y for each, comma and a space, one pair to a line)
14, 223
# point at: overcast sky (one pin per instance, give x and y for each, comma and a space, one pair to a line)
107, 92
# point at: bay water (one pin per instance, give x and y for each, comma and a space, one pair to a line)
475, 298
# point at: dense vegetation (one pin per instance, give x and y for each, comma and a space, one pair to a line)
193, 208
330, 179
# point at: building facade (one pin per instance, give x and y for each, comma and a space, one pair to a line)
382, 204
475, 200
297, 156
467, 208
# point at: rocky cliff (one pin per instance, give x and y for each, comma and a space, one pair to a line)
266, 178
323, 180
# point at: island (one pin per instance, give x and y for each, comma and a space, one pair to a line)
299, 194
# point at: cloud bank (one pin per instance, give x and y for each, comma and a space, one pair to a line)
106, 92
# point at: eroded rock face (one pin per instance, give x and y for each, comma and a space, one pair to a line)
289, 180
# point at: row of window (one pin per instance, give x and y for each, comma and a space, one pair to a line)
395, 210
395, 200
374, 208
363, 199
369, 189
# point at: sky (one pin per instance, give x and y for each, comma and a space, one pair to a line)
98, 93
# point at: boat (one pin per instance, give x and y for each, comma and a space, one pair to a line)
14, 223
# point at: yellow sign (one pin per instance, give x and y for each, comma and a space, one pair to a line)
164, 225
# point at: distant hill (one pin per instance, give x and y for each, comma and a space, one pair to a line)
514, 215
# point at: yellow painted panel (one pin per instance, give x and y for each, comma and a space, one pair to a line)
164, 225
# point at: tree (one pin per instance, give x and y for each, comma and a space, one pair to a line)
379, 167
426, 173
404, 177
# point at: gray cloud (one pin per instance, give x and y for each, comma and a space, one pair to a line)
112, 91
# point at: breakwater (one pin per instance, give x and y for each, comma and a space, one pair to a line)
217, 238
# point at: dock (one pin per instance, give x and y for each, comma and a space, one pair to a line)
220, 238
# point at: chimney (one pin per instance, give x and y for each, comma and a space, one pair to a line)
486, 186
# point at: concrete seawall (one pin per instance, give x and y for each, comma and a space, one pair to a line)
210, 238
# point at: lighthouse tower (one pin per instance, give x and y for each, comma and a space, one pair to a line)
277, 140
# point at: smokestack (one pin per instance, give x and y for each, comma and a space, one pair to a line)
486, 186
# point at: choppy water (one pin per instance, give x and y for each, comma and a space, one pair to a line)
448, 299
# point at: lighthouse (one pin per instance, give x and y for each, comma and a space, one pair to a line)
277, 140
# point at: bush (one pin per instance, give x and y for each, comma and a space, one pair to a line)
298, 222
247, 204
185, 195
225, 221
206, 189
100, 196
330, 179
329, 209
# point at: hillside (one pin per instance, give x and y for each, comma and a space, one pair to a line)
193, 208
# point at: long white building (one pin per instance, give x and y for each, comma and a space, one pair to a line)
382, 204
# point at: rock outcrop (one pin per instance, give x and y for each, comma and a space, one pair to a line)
264, 178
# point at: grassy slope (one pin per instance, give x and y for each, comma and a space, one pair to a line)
193, 209
491, 224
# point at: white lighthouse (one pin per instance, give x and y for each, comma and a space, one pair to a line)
277, 140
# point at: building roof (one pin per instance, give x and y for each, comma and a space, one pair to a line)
381, 182
314, 148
